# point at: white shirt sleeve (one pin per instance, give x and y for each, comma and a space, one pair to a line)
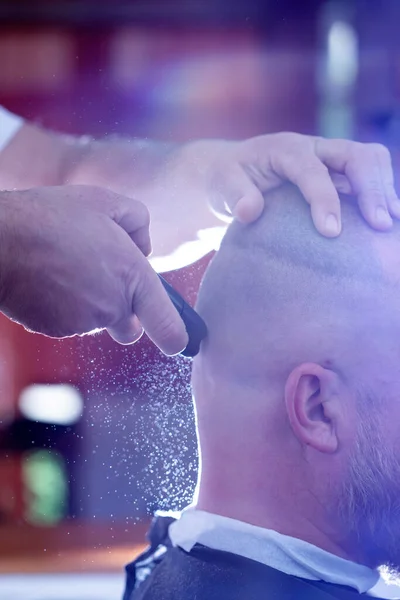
9, 125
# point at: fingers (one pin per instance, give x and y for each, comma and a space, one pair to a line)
306, 171
141, 237
341, 183
371, 199
387, 179
127, 331
321, 168
152, 310
134, 218
236, 195
368, 169
250, 205
155, 311
131, 215
269, 160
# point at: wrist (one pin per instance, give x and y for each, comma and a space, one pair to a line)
36, 157
124, 166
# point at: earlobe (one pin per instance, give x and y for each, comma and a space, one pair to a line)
312, 406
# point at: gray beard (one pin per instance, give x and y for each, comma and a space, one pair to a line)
369, 501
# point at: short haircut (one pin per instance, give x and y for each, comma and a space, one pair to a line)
279, 275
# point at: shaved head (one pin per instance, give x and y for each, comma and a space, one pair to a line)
301, 363
277, 291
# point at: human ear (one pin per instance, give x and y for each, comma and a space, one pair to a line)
313, 406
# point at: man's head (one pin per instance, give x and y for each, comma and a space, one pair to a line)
297, 385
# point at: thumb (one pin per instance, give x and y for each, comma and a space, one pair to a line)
155, 311
127, 331
242, 196
132, 216
250, 206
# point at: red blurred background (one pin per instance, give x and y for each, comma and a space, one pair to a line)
78, 495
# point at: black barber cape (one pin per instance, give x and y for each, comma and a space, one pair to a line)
166, 573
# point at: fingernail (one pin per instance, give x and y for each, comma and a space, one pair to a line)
382, 216
238, 209
137, 335
332, 225
136, 331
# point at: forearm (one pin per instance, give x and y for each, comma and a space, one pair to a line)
36, 157
124, 165
167, 178
164, 176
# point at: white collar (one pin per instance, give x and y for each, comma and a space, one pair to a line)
284, 553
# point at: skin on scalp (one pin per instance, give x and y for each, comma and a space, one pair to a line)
296, 386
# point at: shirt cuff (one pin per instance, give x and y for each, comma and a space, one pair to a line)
9, 125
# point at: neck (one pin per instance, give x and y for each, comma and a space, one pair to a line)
261, 477
233, 493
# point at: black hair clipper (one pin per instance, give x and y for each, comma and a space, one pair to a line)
195, 326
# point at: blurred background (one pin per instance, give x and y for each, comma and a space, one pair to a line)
95, 437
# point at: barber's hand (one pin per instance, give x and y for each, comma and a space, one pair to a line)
235, 174
72, 260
